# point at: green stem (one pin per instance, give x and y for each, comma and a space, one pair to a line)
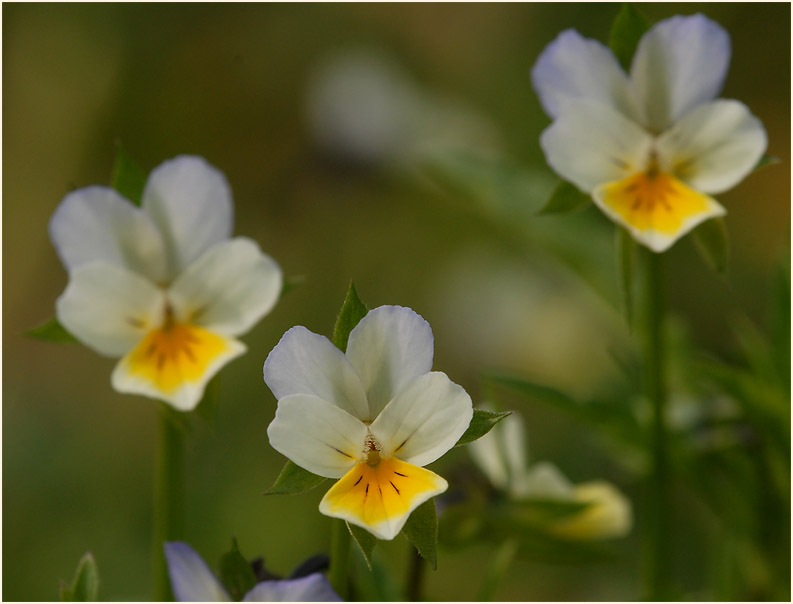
658, 541
415, 577
168, 497
339, 572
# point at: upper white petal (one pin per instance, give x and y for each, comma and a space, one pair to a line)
109, 308
543, 481
680, 63
191, 202
313, 588
713, 147
97, 223
317, 435
576, 68
191, 579
389, 347
229, 288
590, 143
424, 420
306, 363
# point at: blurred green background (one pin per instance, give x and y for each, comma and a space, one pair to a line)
246, 86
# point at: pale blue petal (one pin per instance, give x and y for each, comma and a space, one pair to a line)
680, 63
313, 588
191, 579
576, 68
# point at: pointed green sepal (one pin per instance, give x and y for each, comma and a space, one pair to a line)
52, 331
628, 28
713, 244
128, 178
294, 480
421, 530
566, 197
766, 160
85, 584
481, 423
364, 540
236, 573
352, 311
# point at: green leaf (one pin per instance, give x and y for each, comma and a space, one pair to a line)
85, 584
294, 480
496, 569
52, 331
421, 530
566, 197
626, 268
127, 178
712, 243
236, 573
481, 424
766, 160
291, 283
365, 541
626, 31
352, 311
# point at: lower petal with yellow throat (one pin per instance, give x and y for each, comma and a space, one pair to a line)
381, 497
174, 364
655, 207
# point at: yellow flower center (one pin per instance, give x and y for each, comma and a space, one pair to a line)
653, 200
174, 354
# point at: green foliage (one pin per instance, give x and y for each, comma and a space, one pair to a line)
626, 31
626, 269
373, 582
496, 569
364, 540
235, 572
481, 423
421, 529
294, 480
291, 283
766, 160
52, 331
712, 243
352, 311
566, 197
208, 406
127, 178
85, 584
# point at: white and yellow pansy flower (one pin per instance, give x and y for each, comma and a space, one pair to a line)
162, 286
650, 146
371, 417
502, 456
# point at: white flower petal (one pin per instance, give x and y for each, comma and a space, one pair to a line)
680, 63
313, 588
425, 420
98, 224
306, 363
513, 435
191, 579
576, 68
713, 147
389, 347
544, 481
228, 289
175, 364
109, 308
609, 514
317, 435
486, 454
190, 201
590, 144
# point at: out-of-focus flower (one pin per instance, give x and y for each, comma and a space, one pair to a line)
371, 417
162, 286
193, 581
653, 145
502, 456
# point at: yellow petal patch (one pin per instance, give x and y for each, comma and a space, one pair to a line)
168, 357
653, 200
380, 497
